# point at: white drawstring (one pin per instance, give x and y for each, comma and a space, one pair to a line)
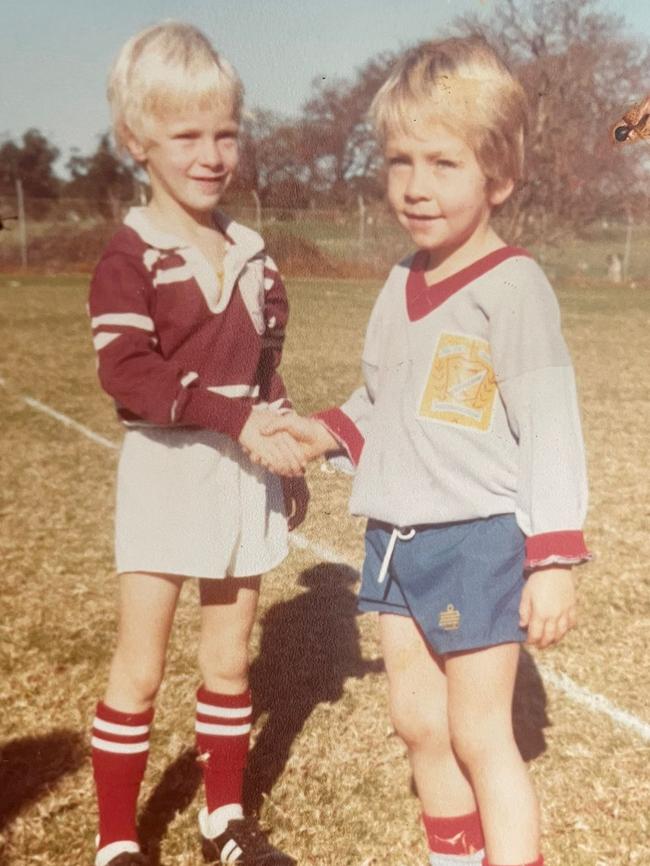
395, 534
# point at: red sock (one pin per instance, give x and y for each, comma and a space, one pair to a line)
120, 747
538, 862
458, 835
223, 726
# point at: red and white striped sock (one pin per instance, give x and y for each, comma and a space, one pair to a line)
223, 726
120, 747
456, 841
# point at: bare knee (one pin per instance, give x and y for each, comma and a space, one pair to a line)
480, 737
421, 725
224, 664
133, 682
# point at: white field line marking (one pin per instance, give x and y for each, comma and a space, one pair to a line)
579, 694
64, 419
69, 422
593, 701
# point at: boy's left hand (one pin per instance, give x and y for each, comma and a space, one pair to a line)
296, 500
548, 605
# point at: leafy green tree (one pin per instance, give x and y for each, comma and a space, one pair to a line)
32, 162
103, 179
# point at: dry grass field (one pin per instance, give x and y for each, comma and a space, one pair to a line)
327, 773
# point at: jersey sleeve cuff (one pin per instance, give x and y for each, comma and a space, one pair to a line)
345, 430
556, 548
215, 412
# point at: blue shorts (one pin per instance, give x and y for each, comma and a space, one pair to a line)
460, 582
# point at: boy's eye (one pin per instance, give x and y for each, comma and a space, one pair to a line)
397, 160
446, 163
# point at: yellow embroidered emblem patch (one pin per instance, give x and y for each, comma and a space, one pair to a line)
449, 619
461, 385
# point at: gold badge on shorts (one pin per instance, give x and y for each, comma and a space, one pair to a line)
461, 386
449, 619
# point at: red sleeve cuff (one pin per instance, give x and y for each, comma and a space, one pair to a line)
345, 430
556, 548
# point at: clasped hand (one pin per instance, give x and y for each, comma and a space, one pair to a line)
278, 451
285, 443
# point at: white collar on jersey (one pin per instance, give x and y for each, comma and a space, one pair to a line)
243, 245
239, 235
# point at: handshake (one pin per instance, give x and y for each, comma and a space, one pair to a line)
284, 444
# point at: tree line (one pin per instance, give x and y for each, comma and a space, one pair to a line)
579, 65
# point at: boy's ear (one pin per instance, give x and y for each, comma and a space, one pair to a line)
500, 191
135, 147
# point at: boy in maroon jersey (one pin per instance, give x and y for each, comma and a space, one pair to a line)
188, 316
468, 452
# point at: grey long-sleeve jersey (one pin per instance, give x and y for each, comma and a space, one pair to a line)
469, 407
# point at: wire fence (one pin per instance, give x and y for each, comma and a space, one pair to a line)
41, 231
70, 233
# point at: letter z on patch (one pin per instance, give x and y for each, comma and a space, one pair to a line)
461, 386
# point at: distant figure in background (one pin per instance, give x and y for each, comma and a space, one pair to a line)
614, 268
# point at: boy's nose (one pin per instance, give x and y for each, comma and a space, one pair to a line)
210, 153
418, 187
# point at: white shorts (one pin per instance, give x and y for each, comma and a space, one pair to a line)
190, 502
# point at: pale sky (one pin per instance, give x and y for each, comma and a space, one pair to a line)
55, 54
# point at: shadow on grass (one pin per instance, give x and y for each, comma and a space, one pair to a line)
309, 648
173, 794
529, 709
31, 766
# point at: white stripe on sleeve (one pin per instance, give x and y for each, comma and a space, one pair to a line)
103, 339
123, 320
235, 390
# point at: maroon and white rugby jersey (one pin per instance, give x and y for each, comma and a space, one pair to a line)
174, 345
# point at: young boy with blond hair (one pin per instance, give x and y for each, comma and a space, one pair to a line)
188, 317
468, 452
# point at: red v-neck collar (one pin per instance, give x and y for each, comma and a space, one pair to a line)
422, 298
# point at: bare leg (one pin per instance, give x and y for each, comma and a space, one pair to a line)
480, 689
147, 603
228, 609
418, 707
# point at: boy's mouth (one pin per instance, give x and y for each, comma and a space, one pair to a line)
422, 218
209, 184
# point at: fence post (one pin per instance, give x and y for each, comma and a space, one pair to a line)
628, 249
362, 220
22, 225
258, 210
